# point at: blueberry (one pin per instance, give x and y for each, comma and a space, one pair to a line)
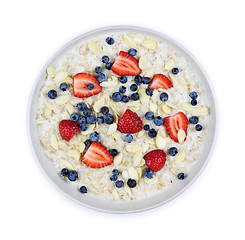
108, 65
164, 97
125, 98
105, 59
115, 172
113, 152
81, 106
149, 115
181, 176
193, 102
110, 40
132, 52
63, 86
146, 127
113, 178
74, 117
175, 71
173, 151
98, 70
152, 133
101, 77
131, 183
138, 79
129, 138
109, 118
100, 119
83, 127
123, 79
146, 80
194, 120
135, 96
87, 143
64, 172
193, 95
149, 92
116, 96
94, 137
72, 175
82, 119
90, 86
148, 173
119, 183
133, 87
122, 89
91, 119
158, 121
87, 112
83, 189
52, 94
198, 127
104, 110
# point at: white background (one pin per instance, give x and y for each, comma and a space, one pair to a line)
212, 208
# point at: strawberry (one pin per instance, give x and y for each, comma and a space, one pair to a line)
97, 156
68, 129
80, 83
160, 81
130, 122
174, 123
126, 64
155, 159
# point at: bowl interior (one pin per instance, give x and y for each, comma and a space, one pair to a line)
123, 206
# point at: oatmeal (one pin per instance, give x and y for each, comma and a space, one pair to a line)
122, 116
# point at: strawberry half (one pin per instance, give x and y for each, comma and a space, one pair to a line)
130, 123
174, 123
160, 81
97, 156
126, 64
80, 83
68, 129
155, 160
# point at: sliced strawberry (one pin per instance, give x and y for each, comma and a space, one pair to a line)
68, 129
174, 123
160, 81
126, 64
80, 83
130, 122
155, 160
97, 156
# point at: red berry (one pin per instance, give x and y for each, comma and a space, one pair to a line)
68, 129
155, 160
160, 81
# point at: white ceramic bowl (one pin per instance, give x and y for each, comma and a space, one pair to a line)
125, 206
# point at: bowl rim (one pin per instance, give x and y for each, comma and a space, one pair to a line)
111, 28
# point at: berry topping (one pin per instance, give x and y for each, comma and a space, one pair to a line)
173, 151
193, 102
146, 80
97, 156
133, 87
81, 106
130, 122
80, 83
72, 175
198, 127
91, 119
104, 110
115, 172
131, 183
155, 160
181, 176
83, 127
126, 64
109, 118
113, 152
138, 79
125, 99
148, 173
122, 89
74, 117
105, 59
174, 123
129, 138
132, 52
100, 120
90, 86
116, 96
123, 79
64, 172
149, 92
82, 119
160, 81
194, 120
63, 86
101, 77
83, 189
68, 129
146, 127
175, 71
152, 133
87, 112
149, 115
52, 94
108, 65
113, 178
98, 70
94, 137
193, 95
110, 40
119, 183
158, 121
87, 143
164, 97
135, 96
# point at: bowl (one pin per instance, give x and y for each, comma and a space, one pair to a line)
160, 197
